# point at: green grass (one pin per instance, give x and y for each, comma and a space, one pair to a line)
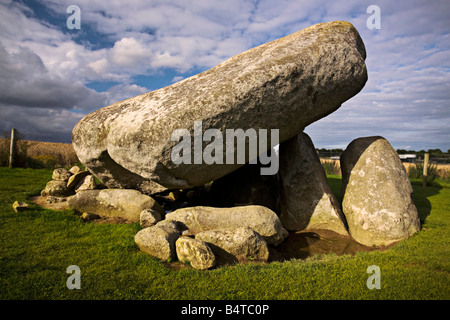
38, 245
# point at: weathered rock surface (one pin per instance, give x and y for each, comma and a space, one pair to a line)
236, 245
159, 240
259, 218
76, 178
149, 217
61, 174
378, 200
196, 252
285, 84
306, 201
57, 188
87, 183
123, 203
75, 169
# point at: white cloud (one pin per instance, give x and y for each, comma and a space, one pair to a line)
123, 91
177, 78
39, 123
29, 83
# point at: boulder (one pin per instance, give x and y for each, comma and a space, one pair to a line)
75, 169
196, 252
57, 188
87, 183
123, 203
149, 217
159, 240
306, 200
285, 85
76, 178
19, 206
259, 218
89, 216
378, 200
61, 174
235, 245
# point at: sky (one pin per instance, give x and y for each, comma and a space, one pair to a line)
52, 75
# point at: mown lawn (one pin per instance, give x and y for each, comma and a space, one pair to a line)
38, 245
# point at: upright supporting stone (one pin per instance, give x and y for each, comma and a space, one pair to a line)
12, 147
425, 169
378, 201
306, 201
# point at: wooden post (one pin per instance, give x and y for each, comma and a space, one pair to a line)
425, 169
12, 147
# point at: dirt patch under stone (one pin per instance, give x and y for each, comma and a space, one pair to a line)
42, 202
307, 243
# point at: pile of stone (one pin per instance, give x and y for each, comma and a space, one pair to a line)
207, 236
284, 85
65, 183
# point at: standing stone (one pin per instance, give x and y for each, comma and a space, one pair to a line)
239, 244
123, 203
259, 218
196, 252
285, 85
378, 200
307, 201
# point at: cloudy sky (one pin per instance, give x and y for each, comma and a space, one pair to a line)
51, 76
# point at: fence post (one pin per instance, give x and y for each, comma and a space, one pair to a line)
425, 169
12, 147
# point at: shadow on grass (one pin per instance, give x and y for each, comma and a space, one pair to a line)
421, 195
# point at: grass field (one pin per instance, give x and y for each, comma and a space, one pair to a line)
38, 245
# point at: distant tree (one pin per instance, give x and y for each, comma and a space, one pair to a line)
435, 151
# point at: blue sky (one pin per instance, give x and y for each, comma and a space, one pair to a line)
52, 76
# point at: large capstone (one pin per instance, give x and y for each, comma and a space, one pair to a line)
282, 85
378, 200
